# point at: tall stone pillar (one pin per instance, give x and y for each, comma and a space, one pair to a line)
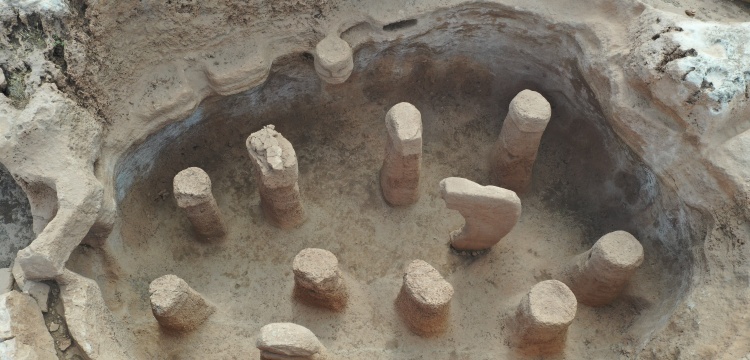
399, 177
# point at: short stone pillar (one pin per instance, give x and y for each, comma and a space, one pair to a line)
424, 300
176, 306
280, 341
192, 190
516, 148
399, 177
490, 212
276, 173
318, 281
598, 276
543, 316
334, 60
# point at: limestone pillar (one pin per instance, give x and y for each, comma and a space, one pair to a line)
192, 190
516, 148
281, 341
276, 173
318, 281
399, 177
176, 305
490, 212
598, 276
334, 60
424, 300
543, 316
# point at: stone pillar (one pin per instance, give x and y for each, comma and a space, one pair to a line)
276, 173
280, 341
399, 177
192, 190
318, 281
543, 316
490, 212
424, 300
516, 148
23, 334
176, 305
598, 276
334, 60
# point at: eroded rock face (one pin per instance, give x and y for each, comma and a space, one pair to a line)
50, 147
23, 334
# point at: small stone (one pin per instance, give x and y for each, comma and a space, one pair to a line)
690, 12
39, 291
317, 279
289, 340
3, 83
6, 280
64, 344
54, 327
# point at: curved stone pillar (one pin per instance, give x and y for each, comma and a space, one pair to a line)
490, 212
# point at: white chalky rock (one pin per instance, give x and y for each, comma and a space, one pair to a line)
23, 334
490, 212
289, 341
516, 148
276, 172
334, 60
598, 276
6, 280
192, 190
399, 177
3, 83
176, 305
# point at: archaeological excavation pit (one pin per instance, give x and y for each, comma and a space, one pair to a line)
189, 208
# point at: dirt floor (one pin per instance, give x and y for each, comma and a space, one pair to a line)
340, 149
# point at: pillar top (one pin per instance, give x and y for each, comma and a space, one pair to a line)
619, 249
316, 267
404, 124
551, 303
425, 284
530, 111
273, 156
191, 187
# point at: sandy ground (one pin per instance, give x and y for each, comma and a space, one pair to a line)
340, 149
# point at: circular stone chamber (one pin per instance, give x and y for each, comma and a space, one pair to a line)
461, 76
